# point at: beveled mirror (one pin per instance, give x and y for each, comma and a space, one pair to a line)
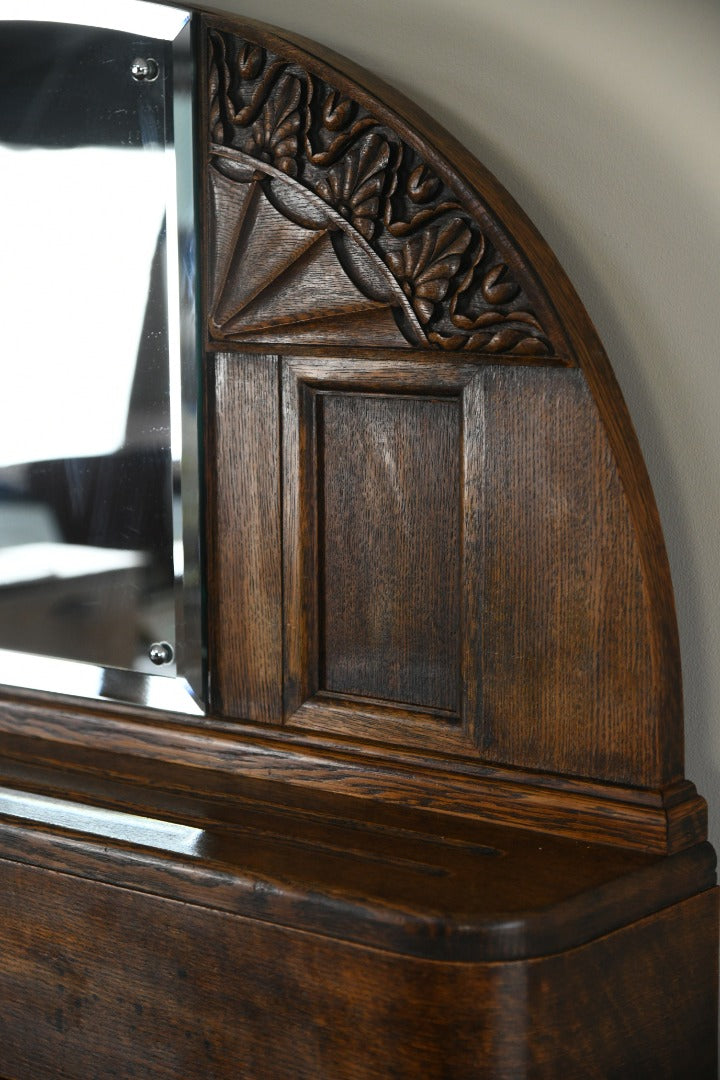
99, 546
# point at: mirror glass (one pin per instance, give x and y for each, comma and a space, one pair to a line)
99, 565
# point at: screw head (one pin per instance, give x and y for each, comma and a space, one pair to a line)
161, 652
144, 69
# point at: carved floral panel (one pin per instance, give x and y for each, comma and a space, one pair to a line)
361, 239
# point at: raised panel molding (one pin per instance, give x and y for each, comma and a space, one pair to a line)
382, 559
429, 555
460, 574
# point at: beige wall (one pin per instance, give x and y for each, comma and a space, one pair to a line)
602, 117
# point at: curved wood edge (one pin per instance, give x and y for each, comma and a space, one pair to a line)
233, 760
640, 1002
483, 194
459, 936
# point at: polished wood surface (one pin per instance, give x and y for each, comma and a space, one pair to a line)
399, 880
555, 648
490, 203
243, 759
207, 994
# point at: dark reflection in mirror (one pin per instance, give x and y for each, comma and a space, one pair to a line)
89, 494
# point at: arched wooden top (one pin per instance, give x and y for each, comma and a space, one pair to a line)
344, 227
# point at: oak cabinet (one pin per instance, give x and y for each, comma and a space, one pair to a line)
433, 821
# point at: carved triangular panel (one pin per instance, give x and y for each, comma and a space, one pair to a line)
272, 275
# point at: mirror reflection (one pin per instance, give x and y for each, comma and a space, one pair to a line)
91, 503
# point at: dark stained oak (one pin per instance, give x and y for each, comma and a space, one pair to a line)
564, 638
381, 565
434, 822
243, 530
492, 204
399, 880
271, 926
258, 76
200, 999
567, 657
233, 759
390, 587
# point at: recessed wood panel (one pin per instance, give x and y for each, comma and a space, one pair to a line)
381, 495
389, 547
460, 571
392, 241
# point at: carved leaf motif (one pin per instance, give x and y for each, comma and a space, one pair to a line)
510, 339
274, 135
217, 130
354, 186
488, 286
496, 287
415, 200
459, 282
251, 60
333, 125
337, 111
426, 264
422, 185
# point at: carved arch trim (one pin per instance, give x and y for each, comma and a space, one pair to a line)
407, 261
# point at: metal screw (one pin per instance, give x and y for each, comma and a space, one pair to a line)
145, 70
161, 652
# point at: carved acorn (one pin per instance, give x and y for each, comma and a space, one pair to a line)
354, 186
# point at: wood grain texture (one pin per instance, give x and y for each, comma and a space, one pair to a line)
235, 759
81, 957
448, 578
554, 607
276, 278
244, 574
404, 882
325, 162
390, 616
608, 998
568, 676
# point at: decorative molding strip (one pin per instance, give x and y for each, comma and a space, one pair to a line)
660, 822
275, 124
